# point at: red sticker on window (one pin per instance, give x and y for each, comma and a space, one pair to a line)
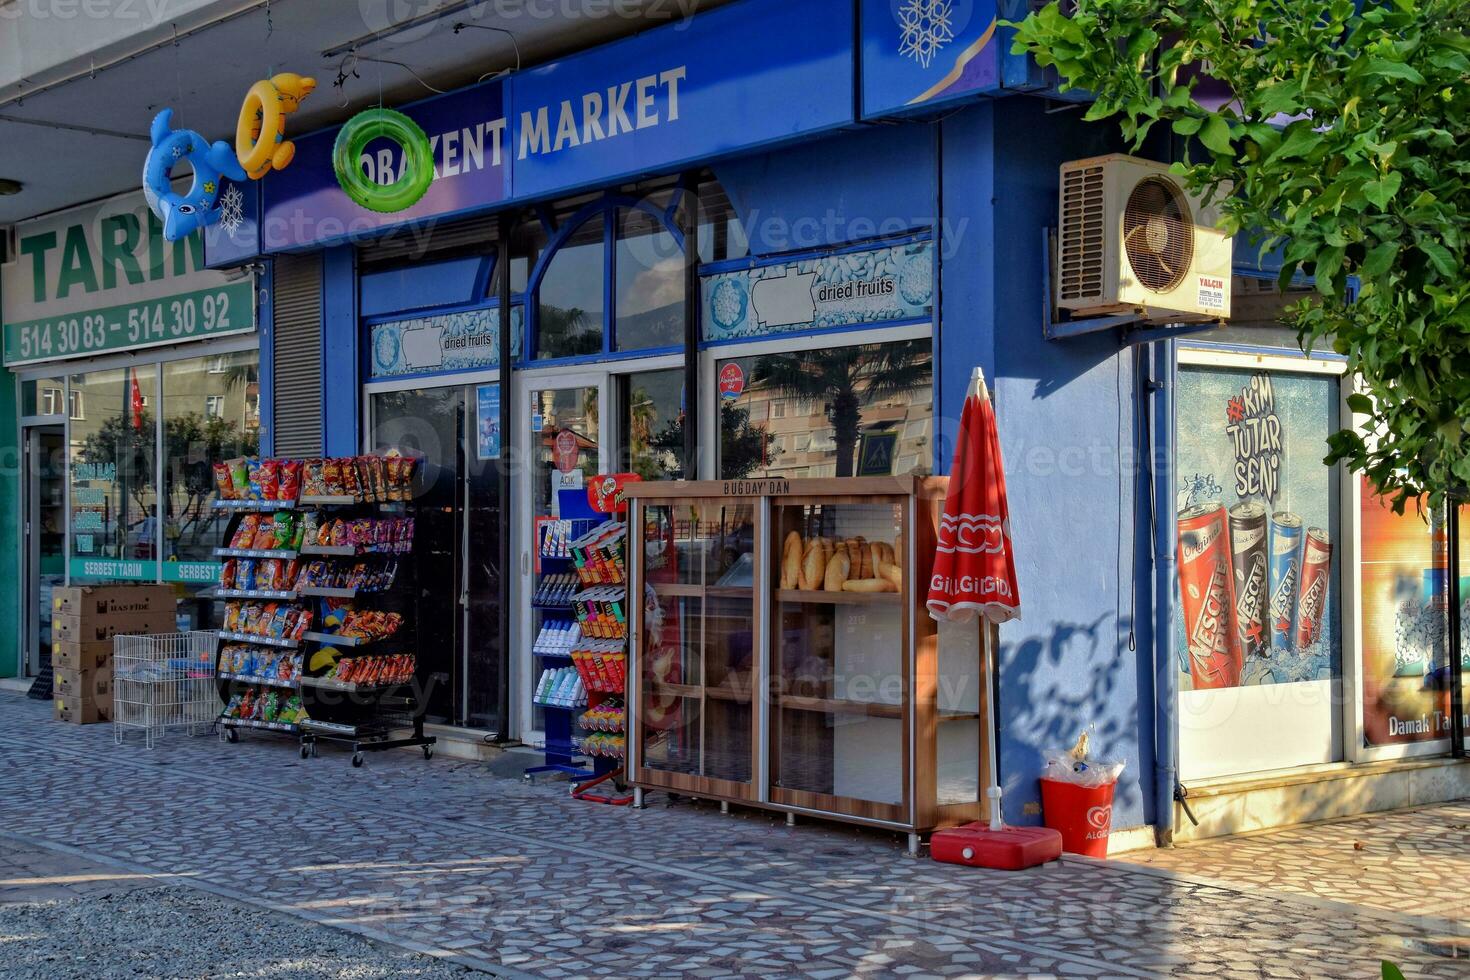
732, 381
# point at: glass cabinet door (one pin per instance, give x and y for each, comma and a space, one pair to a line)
699, 645
839, 661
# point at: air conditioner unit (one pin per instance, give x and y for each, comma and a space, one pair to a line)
1132, 239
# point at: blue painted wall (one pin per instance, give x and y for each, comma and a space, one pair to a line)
846, 188
340, 352
1069, 429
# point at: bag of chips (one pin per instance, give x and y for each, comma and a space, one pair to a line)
285, 529
245, 531
265, 535
239, 477
351, 485
268, 475
290, 487
313, 481
332, 477
224, 487
252, 470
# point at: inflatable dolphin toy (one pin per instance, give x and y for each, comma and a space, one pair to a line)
183, 213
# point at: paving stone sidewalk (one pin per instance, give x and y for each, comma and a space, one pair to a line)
447, 857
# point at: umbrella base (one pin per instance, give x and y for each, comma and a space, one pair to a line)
1007, 849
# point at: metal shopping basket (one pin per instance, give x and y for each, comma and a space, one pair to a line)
162, 683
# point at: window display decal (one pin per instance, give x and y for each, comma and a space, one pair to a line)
487, 422
1257, 520
889, 284
443, 343
1404, 583
923, 52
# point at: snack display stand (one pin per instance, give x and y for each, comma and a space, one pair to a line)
319, 585
360, 682
258, 657
783, 657
561, 692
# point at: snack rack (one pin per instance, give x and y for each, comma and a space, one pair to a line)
560, 691
258, 663
360, 686
601, 654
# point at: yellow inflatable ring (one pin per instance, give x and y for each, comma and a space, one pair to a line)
260, 131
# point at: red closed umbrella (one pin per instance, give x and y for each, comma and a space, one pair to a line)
974, 566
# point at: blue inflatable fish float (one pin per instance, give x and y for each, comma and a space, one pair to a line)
182, 213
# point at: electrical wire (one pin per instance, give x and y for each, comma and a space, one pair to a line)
516, 45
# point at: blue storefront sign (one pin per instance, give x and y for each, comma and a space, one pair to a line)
738, 78
858, 287
441, 343
304, 204
920, 53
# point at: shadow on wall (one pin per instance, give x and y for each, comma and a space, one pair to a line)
1052, 682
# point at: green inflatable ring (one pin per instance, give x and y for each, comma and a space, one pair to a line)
418, 160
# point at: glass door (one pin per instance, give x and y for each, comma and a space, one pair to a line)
45, 539
700, 637
562, 440
455, 431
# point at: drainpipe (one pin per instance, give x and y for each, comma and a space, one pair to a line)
1166, 693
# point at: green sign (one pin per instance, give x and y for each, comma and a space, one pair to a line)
192, 572
186, 316
112, 568
100, 278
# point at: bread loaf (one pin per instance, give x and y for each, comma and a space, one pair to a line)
813, 567
867, 585
791, 561
836, 573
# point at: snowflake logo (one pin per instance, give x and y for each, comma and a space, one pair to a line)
924, 26
231, 210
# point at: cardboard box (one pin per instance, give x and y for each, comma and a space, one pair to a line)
80, 711
72, 655
112, 600
92, 684
89, 629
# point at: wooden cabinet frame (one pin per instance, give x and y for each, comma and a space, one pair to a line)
920, 501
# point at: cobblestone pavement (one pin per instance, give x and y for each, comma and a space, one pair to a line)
445, 857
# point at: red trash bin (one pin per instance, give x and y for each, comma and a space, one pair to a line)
1083, 815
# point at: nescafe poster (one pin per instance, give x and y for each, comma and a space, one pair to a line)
1258, 520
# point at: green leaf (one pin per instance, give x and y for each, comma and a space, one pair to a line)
1380, 192
1188, 125
1360, 403
1439, 257
1301, 139
1216, 135
1379, 259
1384, 68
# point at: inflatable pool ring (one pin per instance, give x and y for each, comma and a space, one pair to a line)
413, 177
260, 132
183, 213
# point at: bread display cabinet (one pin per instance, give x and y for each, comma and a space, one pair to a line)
785, 659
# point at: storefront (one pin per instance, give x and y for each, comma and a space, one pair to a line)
136, 367
650, 257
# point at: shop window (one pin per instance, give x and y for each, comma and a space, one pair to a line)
570, 308
41, 397
114, 528
1404, 583
528, 241
653, 423
854, 386
204, 421
721, 234
649, 266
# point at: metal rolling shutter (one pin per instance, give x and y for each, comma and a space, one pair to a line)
296, 355
474, 234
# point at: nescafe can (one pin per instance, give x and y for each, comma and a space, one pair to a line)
1316, 564
1248, 565
1286, 540
1207, 599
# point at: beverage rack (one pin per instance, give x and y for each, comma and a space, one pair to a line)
362, 687
581, 644
258, 669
